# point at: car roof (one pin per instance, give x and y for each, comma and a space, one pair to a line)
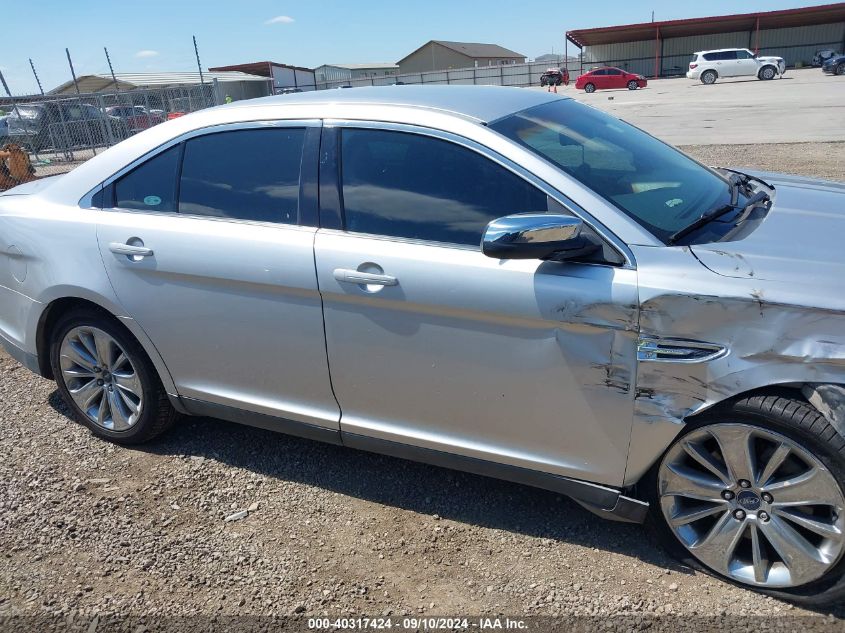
480, 103
721, 50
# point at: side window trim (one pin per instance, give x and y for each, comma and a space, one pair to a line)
107, 186
333, 126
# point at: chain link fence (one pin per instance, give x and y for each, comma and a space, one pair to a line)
61, 131
517, 75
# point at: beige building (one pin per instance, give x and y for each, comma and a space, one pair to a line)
442, 55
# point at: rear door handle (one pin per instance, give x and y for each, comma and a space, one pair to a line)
128, 249
347, 276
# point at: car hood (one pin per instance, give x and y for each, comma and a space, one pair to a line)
800, 240
770, 59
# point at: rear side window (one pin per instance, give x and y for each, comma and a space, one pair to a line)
411, 186
245, 174
720, 56
152, 185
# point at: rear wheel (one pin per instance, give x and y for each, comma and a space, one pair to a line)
753, 493
107, 380
708, 77
633, 85
590, 88
767, 72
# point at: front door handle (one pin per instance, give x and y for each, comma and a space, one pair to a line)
347, 276
130, 250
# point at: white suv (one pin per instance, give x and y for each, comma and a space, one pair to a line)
733, 62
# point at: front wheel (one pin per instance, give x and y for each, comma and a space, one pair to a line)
590, 88
753, 493
708, 77
767, 73
840, 69
633, 85
107, 380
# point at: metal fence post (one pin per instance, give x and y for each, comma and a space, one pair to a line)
109, 131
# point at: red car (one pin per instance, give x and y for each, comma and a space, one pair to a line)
609, 77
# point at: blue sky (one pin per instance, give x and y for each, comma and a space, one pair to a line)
154, 35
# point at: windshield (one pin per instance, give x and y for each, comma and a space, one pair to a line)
662, 189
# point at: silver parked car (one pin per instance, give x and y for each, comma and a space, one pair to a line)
497, 280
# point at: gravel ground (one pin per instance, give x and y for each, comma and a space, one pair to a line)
820, 160
218, 520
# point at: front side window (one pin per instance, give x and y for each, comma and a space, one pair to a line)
614, 71
243, 174
406, 185
660, 188
743, 54
152, 185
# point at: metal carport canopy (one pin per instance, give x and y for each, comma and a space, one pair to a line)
804, 16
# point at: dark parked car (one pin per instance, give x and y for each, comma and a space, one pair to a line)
834, 65
40, 126
823, 55
554, 77
4, 129
136, 118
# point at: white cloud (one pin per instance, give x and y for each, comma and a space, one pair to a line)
280, 19
146, 53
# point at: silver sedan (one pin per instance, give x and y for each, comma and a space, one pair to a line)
496, 280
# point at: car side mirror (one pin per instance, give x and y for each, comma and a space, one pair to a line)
536, 236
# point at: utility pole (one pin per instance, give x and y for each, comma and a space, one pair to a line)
72, 71
37, 80
111, 70
199, 66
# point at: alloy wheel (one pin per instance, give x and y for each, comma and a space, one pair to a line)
101, 378
753, 505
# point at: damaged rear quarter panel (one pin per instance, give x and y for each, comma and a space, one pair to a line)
775, 333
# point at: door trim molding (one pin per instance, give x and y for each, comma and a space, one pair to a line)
603, 500
202, 408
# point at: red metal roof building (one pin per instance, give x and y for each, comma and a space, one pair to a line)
664, 48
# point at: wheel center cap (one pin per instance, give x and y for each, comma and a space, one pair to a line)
748, 500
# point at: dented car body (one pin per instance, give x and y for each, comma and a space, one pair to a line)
665, 288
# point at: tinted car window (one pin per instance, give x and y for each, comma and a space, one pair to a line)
659, 187
411, 186
743, 55
246, 174
150, 186
599, 73
613, 71
720, 56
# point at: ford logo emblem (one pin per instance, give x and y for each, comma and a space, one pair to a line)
748, 500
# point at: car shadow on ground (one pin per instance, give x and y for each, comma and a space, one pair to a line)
429, 490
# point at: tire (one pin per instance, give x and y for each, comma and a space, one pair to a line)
840, 69
633, 85
122, 384
590, 88
708, 77
790, 421
767, 73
